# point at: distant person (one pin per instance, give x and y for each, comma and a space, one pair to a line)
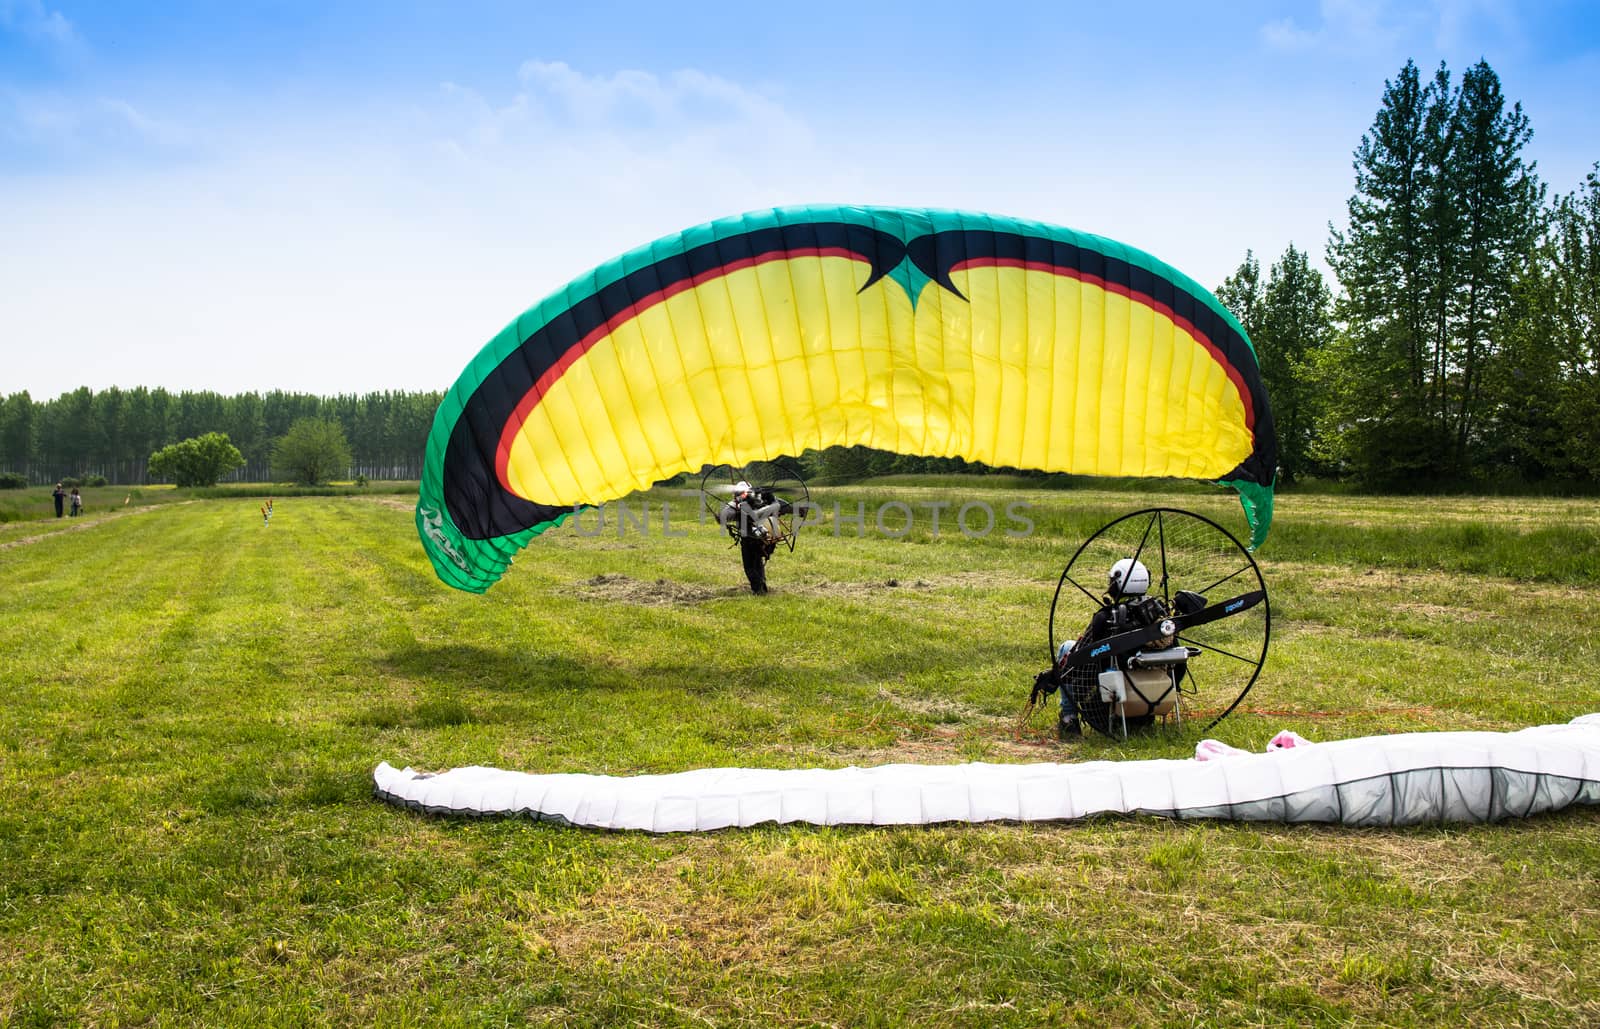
77, 503
60, 496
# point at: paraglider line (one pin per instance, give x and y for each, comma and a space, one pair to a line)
1218, 650
1085, 592
1120, 593
1165, 596
1225, 578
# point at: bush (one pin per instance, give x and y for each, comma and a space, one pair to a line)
13, 480
200, 461
311, 453
96, 481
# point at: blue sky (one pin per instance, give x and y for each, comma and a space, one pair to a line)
341, 197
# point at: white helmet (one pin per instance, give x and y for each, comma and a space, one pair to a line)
740, 488
1129, 578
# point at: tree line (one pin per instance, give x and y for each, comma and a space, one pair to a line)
114, 432
1459, 345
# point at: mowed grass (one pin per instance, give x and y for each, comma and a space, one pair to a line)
193, 704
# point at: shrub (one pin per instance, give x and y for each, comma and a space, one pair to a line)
13, 480
200, 461
312, 452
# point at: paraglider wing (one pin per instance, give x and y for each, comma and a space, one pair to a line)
934, 333
1402, 779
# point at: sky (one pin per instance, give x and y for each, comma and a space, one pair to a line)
339, 197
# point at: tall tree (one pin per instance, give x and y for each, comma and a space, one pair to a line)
1241, 293
1544, 389
1295, 327
1445, 208
245, 424
106, 410
77, 435
1499, 201
1384, 264
18, 417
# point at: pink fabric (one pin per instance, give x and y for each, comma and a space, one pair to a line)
1287, 740
1210, 750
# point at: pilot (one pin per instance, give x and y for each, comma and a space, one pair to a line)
747, 517
1126, 584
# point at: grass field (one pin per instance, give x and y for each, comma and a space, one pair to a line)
193, 703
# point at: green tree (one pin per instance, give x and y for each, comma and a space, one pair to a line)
198, 461
1293, 332
1500, 218
1240, 293
1545, 387
1387, 266
313, 451
107, 410
18, 415
246, 425
78, 438
199, 413
1445, 209
1575, 271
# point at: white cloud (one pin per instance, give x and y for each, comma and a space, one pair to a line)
635, 111
52, 123
1357, 26
1370, 27
125, 114
1284, 34
335, 250
625, 156
32, 20
1457, 20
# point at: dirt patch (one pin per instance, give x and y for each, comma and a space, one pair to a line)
1456, 614
85, 522
667, 592
1398, 581
857, 589
928, 584
931, 747
394, 502
661, 592
932, 706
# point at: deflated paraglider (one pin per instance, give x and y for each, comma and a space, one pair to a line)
1406, 779
933, 333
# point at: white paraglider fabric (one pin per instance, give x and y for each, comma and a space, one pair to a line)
1376, 780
